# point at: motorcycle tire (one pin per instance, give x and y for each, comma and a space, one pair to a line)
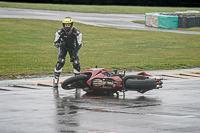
140, 84
78, 81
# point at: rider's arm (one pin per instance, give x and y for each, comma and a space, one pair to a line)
78, 35
79, 39
57, 38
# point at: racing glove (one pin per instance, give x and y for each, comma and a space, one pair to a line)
62, 45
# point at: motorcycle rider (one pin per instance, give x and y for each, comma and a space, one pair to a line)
68, 39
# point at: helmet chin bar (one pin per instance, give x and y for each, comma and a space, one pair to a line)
67, 29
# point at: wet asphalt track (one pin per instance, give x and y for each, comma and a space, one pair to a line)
27, 107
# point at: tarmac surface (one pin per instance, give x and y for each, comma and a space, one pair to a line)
31, 105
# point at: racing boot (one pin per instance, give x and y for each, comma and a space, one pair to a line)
55, 83
56, 79
76, 74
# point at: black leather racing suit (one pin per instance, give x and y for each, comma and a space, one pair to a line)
68, 43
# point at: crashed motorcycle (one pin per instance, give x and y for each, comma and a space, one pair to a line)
100, 81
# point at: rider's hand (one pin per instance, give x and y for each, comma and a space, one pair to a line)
62, 44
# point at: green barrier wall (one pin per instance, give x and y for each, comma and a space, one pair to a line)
167, 21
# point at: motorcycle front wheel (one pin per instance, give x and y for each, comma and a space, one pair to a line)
78, 81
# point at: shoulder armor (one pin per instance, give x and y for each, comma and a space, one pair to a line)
76, 31
60, 31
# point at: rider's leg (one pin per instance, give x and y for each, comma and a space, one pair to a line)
57, 72
59, 65
77, 67
75, 59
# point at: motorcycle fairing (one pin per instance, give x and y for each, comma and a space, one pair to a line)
102, 80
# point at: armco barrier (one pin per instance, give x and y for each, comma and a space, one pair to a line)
171, 20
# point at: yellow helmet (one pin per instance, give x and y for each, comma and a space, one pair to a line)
68, 20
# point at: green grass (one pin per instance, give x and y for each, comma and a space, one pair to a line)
139, 21
96, 8
189, 29
26, 47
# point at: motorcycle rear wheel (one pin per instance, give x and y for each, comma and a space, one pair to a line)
78, 81
139, 85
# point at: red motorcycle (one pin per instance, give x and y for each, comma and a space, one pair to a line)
102, 81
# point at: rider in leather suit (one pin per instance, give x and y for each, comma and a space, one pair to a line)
68, 39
